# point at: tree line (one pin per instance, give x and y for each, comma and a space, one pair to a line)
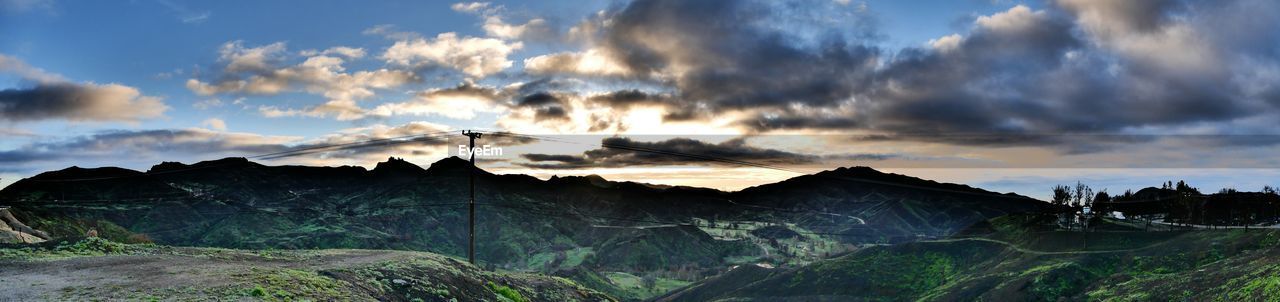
1173, 202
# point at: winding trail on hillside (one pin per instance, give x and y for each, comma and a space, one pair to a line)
1035, 252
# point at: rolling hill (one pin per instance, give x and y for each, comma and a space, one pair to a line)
597, 227
1020, 261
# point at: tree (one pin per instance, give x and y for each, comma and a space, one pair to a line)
1187, 197
1083, 195
1101, 202
649, 281
1061, 195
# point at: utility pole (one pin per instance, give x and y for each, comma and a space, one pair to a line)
471, 211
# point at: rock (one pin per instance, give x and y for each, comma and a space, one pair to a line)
14, 231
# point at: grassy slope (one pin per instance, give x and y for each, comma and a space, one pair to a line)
1037, 265
98, 269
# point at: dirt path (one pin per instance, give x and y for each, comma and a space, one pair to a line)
1035, 252
47, 279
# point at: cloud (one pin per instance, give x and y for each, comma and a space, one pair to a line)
494, 26
718, 55
428, 146
169, 74
348, 52
185, 14
624, 152
79, 102
215, 124
140, 148
469, 7
1032, 72
196, 18
54, 97
476, 57
19, 68
207, 103
136, 144
390, 32
1074, 66
592, 62
257, 70
460, 102
240, 59
22, 6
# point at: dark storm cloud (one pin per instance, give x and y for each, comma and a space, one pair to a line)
731, 56
1022, 71
538, 99
78, 102
550, 113
628, 97
1073, 66
625, 152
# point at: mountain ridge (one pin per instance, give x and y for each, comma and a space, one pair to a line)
396, 165
587, 224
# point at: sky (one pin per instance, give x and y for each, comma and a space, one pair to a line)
1006, 95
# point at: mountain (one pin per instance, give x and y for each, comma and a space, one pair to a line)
619, 230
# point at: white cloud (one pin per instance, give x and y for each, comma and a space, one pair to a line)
447, 103
196, 18
207, 103
1016, 19
169, 74
320, 74
477, 57
215, 124
946, 43
17, 67
390, 32
469, 7
495, 27
1137, 30
591, 62
238, 58
348, 52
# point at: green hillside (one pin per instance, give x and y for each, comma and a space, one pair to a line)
670, 234
1023, 263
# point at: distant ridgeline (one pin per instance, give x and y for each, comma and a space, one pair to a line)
556, 225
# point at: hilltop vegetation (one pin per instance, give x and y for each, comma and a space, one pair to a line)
1020, 261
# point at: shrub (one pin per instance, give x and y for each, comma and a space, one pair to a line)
507, 293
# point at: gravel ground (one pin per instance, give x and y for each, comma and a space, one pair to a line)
90, 277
